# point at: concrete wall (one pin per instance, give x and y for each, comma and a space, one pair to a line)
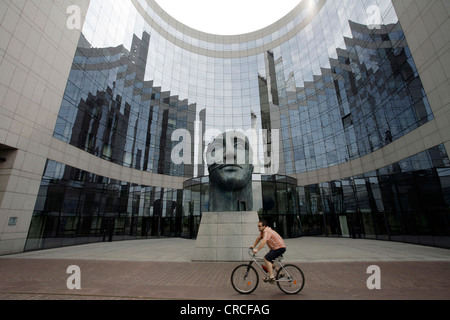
36, 53
426, 24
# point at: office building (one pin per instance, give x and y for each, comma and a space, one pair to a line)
347, 104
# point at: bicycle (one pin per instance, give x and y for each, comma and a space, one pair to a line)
245, 278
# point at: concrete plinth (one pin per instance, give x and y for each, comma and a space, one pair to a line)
226, 236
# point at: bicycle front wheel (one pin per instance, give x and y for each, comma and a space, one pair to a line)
290, 279
244, 279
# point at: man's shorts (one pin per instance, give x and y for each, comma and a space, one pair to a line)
273, 254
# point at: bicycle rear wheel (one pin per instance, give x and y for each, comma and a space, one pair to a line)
244, 279
290, 279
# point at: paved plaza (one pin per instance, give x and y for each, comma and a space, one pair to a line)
334, 268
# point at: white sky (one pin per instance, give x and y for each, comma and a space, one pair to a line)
228, 17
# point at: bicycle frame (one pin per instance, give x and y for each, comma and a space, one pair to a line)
278, 262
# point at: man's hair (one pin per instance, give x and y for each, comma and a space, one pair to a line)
263, 222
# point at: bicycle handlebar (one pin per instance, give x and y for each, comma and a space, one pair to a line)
250, 252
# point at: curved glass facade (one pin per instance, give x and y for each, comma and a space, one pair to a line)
338, 89
327, 84
406, 201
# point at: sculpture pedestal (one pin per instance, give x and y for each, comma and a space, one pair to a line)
226, 236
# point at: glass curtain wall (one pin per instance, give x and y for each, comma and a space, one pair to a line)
407, 201
337, 88
76, 207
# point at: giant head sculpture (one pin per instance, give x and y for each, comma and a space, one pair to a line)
229, 159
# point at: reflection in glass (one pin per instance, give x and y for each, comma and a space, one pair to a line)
337, 81
405, 201
337, 91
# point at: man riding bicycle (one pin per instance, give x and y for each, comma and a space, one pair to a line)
274, 242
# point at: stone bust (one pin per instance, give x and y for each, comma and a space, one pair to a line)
230, 173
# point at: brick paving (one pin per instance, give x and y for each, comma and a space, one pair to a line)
45, 279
